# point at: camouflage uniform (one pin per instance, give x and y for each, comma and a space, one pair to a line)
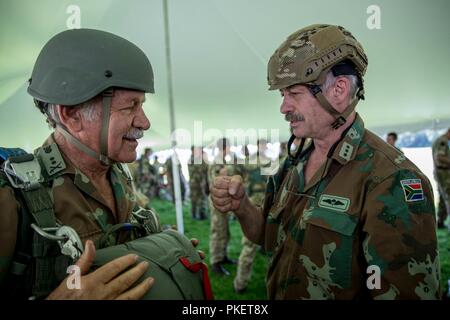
76, 203
442, 176
220, 232
368, 205
198, 183
255, 188
146, 178
170, 182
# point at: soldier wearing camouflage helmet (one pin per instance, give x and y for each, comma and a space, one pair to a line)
91, 86
346, 216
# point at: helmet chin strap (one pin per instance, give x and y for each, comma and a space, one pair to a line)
103, 155
339, 118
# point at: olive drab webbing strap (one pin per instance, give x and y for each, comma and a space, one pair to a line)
35, 257
106, 109
340, 118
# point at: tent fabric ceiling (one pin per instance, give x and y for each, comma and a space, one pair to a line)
219, 54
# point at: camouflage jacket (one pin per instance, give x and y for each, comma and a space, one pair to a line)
440, 148
363, 227
76, 203
198, 177
146, 171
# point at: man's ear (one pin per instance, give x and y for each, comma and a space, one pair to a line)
70, 117
340, 93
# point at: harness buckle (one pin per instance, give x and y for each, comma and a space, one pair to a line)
23, 172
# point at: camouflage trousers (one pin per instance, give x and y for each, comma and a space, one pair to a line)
220, 234
199, 204
442, 177
245, 264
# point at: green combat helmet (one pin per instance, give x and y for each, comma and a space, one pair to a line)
309, 53
77, 65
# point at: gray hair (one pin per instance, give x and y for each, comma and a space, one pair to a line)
331, 79
87, 109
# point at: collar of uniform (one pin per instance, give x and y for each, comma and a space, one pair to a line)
70, 169
347, 148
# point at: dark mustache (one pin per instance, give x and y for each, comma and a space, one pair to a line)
293, 117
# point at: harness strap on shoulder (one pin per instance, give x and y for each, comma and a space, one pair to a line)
40, 205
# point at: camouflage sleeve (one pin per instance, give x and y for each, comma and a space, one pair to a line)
399, 238
8, 229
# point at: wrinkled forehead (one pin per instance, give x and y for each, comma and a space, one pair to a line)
129, 95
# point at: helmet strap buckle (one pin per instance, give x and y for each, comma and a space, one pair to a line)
338, 122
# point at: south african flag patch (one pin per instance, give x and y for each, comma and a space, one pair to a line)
412, 189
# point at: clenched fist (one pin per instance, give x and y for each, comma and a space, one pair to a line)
227, 193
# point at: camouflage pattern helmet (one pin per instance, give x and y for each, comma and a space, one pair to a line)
309, 53
77, 65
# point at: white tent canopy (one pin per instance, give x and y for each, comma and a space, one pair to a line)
219, 54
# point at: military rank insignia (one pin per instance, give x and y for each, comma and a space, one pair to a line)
412, 188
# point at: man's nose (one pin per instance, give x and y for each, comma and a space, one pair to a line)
285, 106
141, 121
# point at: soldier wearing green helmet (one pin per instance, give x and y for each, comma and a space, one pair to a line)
347, 216
73, 200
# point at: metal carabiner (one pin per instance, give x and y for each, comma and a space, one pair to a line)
67, 238
43, 232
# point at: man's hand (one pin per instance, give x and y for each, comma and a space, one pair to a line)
227, 193
195, 243
108, 281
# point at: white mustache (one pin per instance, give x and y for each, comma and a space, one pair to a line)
134, 134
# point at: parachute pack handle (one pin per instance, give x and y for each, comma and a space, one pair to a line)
196, 267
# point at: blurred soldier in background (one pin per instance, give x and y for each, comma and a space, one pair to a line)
146, 175
198, 183
170, 185
441, 159
391, 138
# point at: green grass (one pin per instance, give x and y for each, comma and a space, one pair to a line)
223, 286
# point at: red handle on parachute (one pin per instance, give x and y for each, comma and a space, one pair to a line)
196, 267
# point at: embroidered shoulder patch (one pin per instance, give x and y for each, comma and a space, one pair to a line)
412, 188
